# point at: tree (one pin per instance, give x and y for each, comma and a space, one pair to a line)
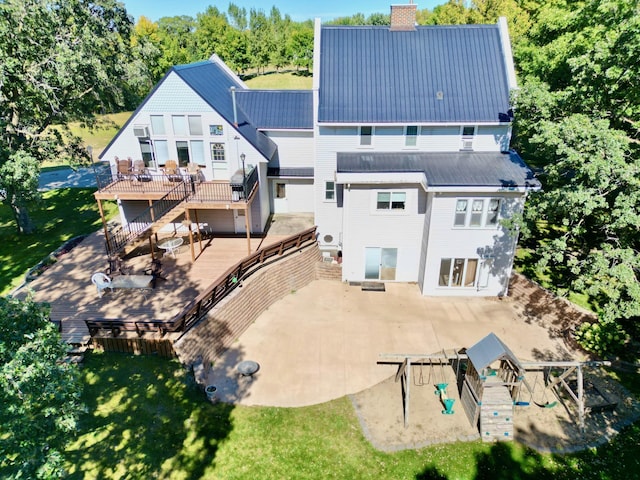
39, 393
260, 39
60, 61
176, 41
146, 46
210, 33
300, 47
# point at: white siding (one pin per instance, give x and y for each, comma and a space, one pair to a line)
217, 221
299, 196
174, 97
260, 209
491, 138
364, 226
445, 241
295, 149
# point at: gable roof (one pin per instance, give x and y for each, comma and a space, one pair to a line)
374, 75
212, 83
490, 349
446, 169
278, 109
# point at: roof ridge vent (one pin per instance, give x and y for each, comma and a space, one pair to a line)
403, 17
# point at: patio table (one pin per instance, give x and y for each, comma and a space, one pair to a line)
131, 281
171, 245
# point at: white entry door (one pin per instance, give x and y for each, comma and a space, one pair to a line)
280, 202
239, 221
380, 263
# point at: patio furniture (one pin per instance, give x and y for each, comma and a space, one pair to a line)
140, 171
155, 271
131, 282
116, 266
102, 282
193, 170
171, 244
171, 172
124, 168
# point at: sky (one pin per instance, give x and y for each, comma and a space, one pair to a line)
298, 10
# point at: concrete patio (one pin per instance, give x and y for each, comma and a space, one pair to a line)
322, 342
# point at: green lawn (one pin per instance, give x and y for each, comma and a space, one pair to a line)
146, 419
281, 81
63, 214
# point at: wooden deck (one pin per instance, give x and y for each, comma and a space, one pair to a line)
67, 286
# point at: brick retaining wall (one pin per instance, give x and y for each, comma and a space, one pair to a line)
233, 315
557, 314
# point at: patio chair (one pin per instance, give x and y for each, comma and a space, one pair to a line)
116, 266
102, 282
140, 171
170, 171
124, 169
155, 271
193, 169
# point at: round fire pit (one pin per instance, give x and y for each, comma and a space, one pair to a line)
247, 368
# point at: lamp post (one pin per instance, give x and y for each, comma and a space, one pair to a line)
244, 178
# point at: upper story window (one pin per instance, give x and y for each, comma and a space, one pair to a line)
411, 136
215, 130
157, 125
195, 125
468, 133
366, 134
391, 201
217, 152
330, 191
179, 123
477, 212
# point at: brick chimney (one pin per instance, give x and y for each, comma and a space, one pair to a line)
403, 17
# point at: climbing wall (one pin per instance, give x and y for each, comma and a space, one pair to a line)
496, 414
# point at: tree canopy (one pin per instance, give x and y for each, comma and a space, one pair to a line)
39, 393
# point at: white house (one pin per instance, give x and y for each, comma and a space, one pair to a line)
401, 149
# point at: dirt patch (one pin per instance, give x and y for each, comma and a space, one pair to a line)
556, 429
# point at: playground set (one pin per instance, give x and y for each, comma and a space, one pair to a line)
492, 383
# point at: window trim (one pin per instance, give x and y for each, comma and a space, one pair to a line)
463, 275
469, 212
224, 152
331, 190
390, 209
413, 137
362, 136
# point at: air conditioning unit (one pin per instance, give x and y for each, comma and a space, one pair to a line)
467, 144
141, 131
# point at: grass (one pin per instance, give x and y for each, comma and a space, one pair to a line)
281, 81
63, 214
147, 419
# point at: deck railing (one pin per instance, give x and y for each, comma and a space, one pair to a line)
225, 284
117, 239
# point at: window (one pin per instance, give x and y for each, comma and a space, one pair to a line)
162, 151
281, 190
461, 213
477, 212
147, 152
183, 153
179, 125
391, 200
493, 211
329, 190
197, 151
157, 125
365, 135
217, 152
195, 125
458, 272
215, 130
411, 136
468, 133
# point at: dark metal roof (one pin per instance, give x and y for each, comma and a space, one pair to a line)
446, 169
490, 349
213, 83
373, 75
290, 172
276, 109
